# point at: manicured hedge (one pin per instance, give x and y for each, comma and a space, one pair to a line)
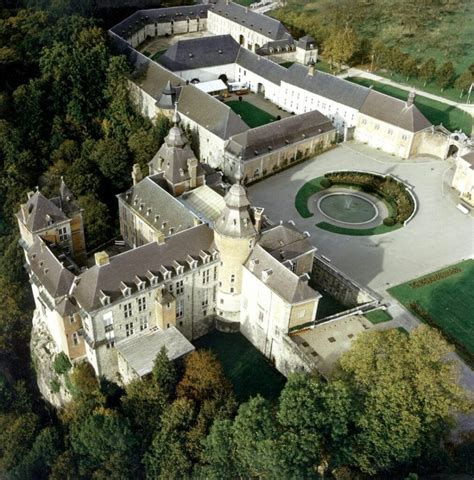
388, 188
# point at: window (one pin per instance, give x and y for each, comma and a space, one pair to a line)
180, 309
377, 126
205, 277
143, 323
75, 338
62, 232
129, 329
127, 310
260, 316
232, 289
232, 278
109, 328
142, 304
179, 287
215, 273
205, 299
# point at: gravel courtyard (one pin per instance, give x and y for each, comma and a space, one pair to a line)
438, 235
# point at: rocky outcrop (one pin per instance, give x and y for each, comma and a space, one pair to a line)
43, 352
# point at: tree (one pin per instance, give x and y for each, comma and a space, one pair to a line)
164, 373
409, 67
98, 223
445, 75
464, 81
395, 59
427, 70
407, 391
341, 45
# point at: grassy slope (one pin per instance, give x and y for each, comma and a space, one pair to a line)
251, 115
247, 369
436, 112
450, 303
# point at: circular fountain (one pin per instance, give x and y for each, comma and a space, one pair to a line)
348, 208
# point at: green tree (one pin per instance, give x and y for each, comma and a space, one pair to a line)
98, 223
340, 46
464, 82
164, 373
427, 70
445, 75
409, 67
407, 391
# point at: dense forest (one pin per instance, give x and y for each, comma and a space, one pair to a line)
64, 111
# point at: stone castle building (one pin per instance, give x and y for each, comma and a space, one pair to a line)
197, 256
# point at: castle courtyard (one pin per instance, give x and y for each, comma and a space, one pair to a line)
437, 236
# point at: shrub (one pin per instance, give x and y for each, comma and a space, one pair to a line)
325, 182
55, 385
389, 221
61, 363
435, 277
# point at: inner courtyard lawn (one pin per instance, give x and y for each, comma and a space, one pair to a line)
250, 114
436, 112
445, 299
248, 370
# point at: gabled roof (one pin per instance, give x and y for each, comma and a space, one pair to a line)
210, 112
261, 140
285, 283
395, 112
52, 274
41, 213
149, 200
200, 52
469, 157
262, 24
328, 86
151, 257
261, 66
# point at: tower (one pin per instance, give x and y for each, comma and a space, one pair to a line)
235, 236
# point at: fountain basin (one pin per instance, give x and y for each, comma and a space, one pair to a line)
348, 208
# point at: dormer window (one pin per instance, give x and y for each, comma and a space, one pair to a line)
125, 289
49, 219
166, 273
104, 298
205, 256
178, 267
140, 283
192, 262
152, 278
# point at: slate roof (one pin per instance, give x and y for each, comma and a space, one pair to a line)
51, 273
282, 281
200, 52
158, 15
261, 66
393, 111
205, 202
210, 112
151, 257
469, 158
261, 140
154, 78
328, 86
148, 199
306, 42
275, 45
140, 351
267, 26
42, 213
285, 242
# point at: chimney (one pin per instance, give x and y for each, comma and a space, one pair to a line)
137, 175
311, 70
101, 258
258, 212
266, 275
192, 168
411, 98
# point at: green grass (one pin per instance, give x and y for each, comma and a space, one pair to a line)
303, 195
245, 3
357, 232
248, 370
449, 302
250, 114
378, 316
156, 56
325, 67
436, 112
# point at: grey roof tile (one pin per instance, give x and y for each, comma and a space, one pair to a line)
42, 212
261, 66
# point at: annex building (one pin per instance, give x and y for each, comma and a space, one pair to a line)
234, 45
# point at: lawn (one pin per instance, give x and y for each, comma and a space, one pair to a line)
248, 370
304, 194
250, 114
156, 56
436, 112
378, 316
444, 299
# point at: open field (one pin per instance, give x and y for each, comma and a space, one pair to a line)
443, 31
247, 369
436, 112
444, 299
250, 114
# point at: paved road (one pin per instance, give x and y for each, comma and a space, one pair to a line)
355, 72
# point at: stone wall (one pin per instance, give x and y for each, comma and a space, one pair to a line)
345, 290
430, 142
